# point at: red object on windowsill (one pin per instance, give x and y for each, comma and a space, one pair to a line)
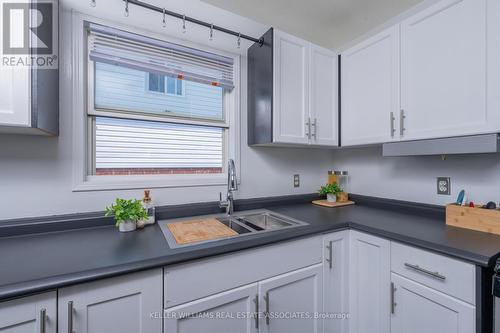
471, 204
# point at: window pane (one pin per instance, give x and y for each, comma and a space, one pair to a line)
179, 87
136, 147
156, 82
170, 85
122, 88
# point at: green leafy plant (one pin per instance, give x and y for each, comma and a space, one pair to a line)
126, 210
333, 188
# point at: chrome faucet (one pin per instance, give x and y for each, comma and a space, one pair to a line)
232, 185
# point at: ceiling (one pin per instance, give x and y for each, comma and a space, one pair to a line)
330, 23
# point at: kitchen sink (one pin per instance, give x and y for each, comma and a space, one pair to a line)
244, 223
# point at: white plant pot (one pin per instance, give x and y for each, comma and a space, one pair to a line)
331, 198
127, 226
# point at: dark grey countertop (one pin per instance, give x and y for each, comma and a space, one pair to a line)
38, 262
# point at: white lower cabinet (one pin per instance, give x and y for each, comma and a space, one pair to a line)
291, 301
369, 284
336, 282
418, 309
231, 311
283, 304
32, 314
127, 304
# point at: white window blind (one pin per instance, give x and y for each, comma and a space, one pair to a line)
121, 48
133, 146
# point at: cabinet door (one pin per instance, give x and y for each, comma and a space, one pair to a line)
290, 301
32, 314
291, 77
324, 97
232, 311
127, 304
15, 96
443, 71
336, 281
421, 309
370, 90
370, 282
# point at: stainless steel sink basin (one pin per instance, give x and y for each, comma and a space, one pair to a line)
268, 221
245, 223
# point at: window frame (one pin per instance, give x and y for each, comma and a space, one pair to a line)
83, 102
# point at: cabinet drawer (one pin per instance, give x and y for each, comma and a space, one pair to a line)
201, 278
450, 276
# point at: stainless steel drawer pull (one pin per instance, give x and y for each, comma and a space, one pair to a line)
402, 123
315, 125
43, 318
268, 313
393, 129
330, 254
308, 128
419, 269
393, 301
256, 301
70, 317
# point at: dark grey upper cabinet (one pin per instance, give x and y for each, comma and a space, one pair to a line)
260, 91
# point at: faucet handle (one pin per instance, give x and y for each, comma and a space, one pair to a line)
222, 203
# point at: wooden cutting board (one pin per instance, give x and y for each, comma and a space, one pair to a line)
325, 203
198, 230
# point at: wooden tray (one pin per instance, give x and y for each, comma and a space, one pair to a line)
479, 219
199, 230
325, 203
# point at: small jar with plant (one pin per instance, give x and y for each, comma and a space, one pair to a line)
331, 191
127, 213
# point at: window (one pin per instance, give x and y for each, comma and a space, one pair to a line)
138, 131
156, 83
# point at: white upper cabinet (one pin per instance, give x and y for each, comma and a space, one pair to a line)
437, 71
443, 71
292, 93
323, 99
15, 97
291, 89
370, 90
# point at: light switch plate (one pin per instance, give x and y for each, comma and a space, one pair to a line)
444, 185
296, 180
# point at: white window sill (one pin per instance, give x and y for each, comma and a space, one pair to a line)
109, 183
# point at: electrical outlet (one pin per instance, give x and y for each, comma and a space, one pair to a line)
296, 180
443, 185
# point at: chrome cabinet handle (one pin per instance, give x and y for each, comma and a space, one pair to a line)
419, 269
43, 318
393, 303
70, 317
402, 122
256, 301
330, 254
308, 128
393, 129
315, 125
266, 299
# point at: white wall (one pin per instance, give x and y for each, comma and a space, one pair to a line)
36, 172
414, 178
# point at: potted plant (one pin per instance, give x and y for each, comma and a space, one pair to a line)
331, 191
127, 213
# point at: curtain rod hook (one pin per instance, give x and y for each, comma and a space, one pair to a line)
126, 8
211, 32
183, 24
164, 18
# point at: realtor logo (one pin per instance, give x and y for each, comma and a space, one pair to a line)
29, 33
